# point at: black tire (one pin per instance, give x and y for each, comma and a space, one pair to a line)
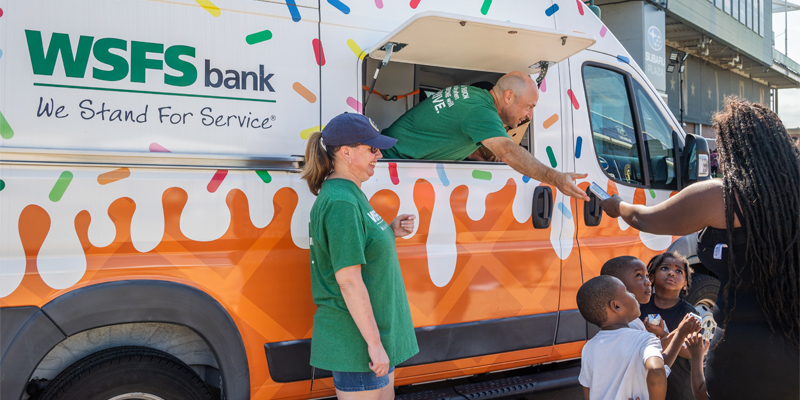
703, 296
140, 372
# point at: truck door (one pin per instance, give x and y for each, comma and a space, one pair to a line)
624, 139
477, 270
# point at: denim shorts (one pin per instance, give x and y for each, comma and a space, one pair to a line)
360, 381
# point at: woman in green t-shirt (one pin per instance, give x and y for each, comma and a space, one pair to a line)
362, 326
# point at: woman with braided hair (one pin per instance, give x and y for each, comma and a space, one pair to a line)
750, 221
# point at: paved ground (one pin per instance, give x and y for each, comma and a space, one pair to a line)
575, 393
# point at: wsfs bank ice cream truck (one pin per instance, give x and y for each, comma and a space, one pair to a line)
154, 224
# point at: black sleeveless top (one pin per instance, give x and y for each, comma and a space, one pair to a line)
746, 359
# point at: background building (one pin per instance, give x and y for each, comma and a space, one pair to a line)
718, 48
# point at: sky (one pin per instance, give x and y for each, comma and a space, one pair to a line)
788, 99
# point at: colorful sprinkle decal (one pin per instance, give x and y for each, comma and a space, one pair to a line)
354, 104
578, 146
319, 52
526, 178
1, 10
61, 186
157, 148
552, 157
543, 86
550, 121
339, 6
652, 193
5, 129
482, 175
551, 10
265, 176
306, 133
580, 6
1, 53
210, 7
393, 173
573, 99
303, 91
259, 37
356, 50
379, 3
113, 176
623, 59
485, 6
2, 185
293, 10
219, 176
564, 210
603, 31
442, 174
414, 4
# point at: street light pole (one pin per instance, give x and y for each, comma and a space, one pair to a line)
680, 75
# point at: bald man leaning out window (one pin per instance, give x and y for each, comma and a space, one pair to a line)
452, 124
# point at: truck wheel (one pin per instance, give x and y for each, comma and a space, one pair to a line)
127, 373
703, 296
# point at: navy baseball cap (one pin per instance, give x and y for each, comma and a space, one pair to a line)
351, 128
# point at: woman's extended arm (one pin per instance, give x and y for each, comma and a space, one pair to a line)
694, 208
356, 297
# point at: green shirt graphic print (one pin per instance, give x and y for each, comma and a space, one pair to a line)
344, 231
447, 126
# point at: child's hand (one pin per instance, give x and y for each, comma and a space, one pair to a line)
688, 325
657, 330
697, 346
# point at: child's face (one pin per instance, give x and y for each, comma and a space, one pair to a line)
626, 303
637, 282
670, 276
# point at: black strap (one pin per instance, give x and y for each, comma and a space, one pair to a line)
737, 210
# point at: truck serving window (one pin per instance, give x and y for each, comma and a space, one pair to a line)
612, 125
658, 141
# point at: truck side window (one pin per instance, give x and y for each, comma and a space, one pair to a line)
658, 141
612, 125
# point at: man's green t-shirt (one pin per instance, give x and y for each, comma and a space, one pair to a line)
346, 231
447, 126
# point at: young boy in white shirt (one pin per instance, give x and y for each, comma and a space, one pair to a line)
619, 362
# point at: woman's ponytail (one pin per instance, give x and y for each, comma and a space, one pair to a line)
319, 164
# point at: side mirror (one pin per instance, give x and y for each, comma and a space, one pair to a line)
695, 162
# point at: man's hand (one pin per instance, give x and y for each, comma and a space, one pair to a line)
564, 183
611, 205
403, 225
380, 360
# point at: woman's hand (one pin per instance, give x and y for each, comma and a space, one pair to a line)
403, 225
611, 205
380, 360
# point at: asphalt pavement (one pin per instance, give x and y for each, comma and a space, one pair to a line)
574, 393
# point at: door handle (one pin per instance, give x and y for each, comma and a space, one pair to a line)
592, 212
542, 208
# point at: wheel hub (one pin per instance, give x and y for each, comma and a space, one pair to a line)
705, 309
136, 396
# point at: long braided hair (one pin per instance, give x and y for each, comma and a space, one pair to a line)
761, 167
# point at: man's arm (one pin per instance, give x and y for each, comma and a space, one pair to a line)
585, 393
525, 163
656, 378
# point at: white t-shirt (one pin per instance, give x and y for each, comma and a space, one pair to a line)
637, 324
613, 364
